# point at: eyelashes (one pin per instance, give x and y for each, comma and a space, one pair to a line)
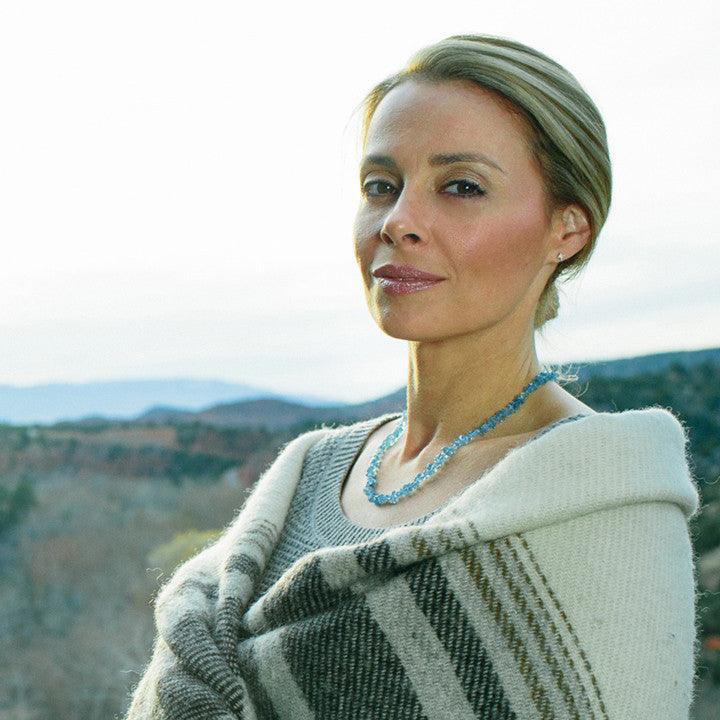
475, 189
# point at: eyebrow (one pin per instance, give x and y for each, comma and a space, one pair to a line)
434, 160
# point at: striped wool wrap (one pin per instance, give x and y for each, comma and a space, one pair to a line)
560, 584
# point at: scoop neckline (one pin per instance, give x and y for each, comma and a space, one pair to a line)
337, 489
384, 419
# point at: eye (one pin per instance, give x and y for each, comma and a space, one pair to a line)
382, 183
473, 187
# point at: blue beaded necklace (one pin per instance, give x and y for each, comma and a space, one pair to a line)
442, 457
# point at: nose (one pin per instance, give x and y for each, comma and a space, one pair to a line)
402, 223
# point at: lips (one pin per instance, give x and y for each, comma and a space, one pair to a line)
404, 272
406, 286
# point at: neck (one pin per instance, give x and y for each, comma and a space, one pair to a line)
456, 384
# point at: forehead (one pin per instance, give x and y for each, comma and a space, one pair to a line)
454, 113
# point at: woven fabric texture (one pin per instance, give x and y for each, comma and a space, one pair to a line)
560, 584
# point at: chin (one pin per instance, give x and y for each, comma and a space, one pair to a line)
416, 329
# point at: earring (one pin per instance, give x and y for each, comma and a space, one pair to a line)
560, 257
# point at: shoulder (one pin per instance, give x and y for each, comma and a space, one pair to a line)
647, 430
339, 437
652, 437
602, 460
649, 425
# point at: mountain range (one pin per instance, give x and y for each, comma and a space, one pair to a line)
220, 403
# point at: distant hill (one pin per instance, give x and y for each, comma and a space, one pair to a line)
646, 364
275, 414
121, 399
233, 405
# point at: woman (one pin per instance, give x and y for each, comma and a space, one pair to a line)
499, 549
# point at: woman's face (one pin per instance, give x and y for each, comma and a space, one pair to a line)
480, 224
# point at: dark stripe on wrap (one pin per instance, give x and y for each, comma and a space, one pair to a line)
467, 654
347, 669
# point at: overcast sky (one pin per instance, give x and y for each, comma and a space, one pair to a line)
178, 183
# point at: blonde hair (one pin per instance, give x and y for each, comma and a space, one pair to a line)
566, 133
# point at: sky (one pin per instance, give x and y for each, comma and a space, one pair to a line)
178, 183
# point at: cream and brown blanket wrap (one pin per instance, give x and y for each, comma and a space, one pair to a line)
560, 584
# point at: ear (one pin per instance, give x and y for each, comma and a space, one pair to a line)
572, 231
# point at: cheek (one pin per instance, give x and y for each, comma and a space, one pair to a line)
362, 234
504, 247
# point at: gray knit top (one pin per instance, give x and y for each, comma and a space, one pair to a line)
315, 518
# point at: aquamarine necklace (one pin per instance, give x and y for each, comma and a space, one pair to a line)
442, 457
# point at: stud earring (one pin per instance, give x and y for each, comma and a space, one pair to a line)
560, 257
